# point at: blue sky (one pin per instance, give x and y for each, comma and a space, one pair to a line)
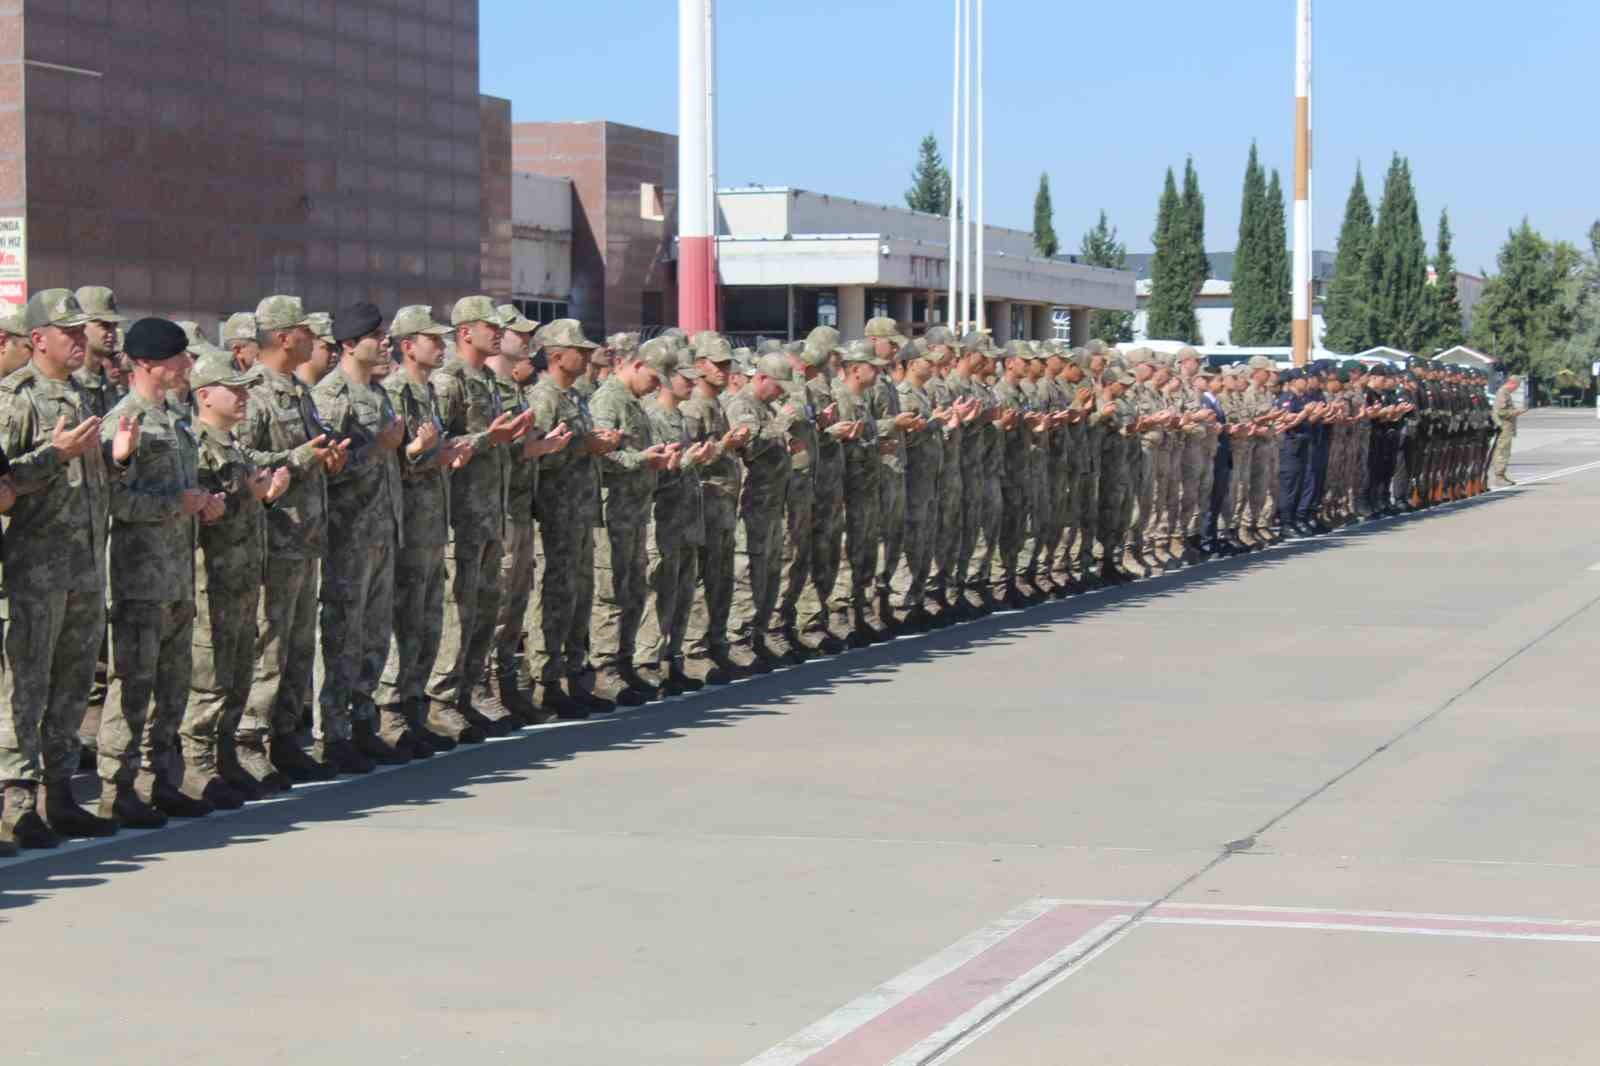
1486, 99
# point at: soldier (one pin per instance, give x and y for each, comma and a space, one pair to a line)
1116, 421
100, 304
720, 482
282, 427
470, 407
924, 462
1146, 465
16, 345
799, 499
227, 583
678, 530
1016, 488
945, 590
58, 496
621, 554
1505, 413
239, 337
827, 493
598, 367
364, 528
893, 424
857, 431
324, 350
155, 500
419, 570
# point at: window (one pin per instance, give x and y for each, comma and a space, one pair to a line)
650, 207
1019, 320
650, 309
1061, 319
542, 311
828, 309
877, 304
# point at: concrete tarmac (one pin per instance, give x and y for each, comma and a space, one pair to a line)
1329, 803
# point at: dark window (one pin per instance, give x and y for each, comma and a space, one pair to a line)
650, 309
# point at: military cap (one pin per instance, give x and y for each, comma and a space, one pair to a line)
793, 348
675, 333
1096, 346
939, 335
470, 309
1294, 373
55, 307
1208, 371
321, 325
198, 346
153, 339
1053, 349
1343, 375
975, 341
216, 367
356, 321
1139, 356
239, 327
1187, 352
562, 333
686, 365
886, 328
769, 345
820, 344
744, 361
775, 366
815, 356
1261, 362
623, 344
100, 304
13, 319
414, 319
660, 355
512, 319
862, 351
281, 312
1121, 375
709, 344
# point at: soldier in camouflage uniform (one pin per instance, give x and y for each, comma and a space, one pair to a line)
893, 423
364, 529
55, 580
1074, 382
1116, 420
964, 390
595, 370
240, 337
924, 461
1018, 426
799, 498
16, 344
621, 552
763, 408
227, 581
155, 501
946, 531
470, 407
857, 430
568, 505
827, 493
428, 457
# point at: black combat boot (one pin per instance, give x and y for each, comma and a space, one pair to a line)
292, 761
343, 756
67, 818
364, 738
121, 804
20, 823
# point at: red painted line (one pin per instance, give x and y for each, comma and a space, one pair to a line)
944, 1000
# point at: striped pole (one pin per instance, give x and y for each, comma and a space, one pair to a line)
952, 262
696, 203
1302, 186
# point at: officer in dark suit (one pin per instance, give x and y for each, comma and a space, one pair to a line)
1294, 458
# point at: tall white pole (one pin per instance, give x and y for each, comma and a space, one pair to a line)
966, 169
1302, 186
978, 47
711, 160
694, 224
952, 263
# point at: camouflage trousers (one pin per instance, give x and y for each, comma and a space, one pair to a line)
798, 548
947, 521
48, 665
862, 537
827, 544
1502, 454
991, 524
1087, 492
1237, 505
471, 608
891, 524
757, 567
286, 642
1112, 500
1016, 507
357, 620
518, 571
152, 658
223, 662
419, 579
1142, 467
621, 567
1050, 519
1066, 504
708, 616
1272, 447
1194, 464
560, 647
674, 567
921, 531
971, 525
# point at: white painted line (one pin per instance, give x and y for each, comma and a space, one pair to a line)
1553, 474
1352, 927
1418, 916
1024, 990
859, 1011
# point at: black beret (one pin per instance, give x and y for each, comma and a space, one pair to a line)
154, 339
1294, 373
356, 321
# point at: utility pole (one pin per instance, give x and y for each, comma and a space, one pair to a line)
697, 147
1302, 185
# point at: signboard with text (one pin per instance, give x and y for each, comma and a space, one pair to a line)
14, 259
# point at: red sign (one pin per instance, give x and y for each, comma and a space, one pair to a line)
14, 290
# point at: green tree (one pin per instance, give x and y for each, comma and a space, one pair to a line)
1527, 315
1396, 267
1170, 314
1444, 305
1100, 247
1344, 310
1580, 312
1252, 279
1194, 230
1279, 320
930, 181
1044, 224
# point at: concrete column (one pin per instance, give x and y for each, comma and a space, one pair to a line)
900, 308
1080, 326
1044, 326
997, 314
852, 311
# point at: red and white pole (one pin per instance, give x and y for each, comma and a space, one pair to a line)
697, 259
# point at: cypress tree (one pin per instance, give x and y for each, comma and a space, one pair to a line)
1044, 226
1194, 220
930, 181
1279, 320
1100, 247
1170, 315
1397, 267
1444, 306
1251, 280
1344, 310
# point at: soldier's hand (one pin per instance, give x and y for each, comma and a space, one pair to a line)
126, 440
604, 441
73, 442
656, 457
8, 493
508, 427
193, 501
828, 415
216, 505
392, 435
458, 453
554, 441
279, 484
258, 483
797, 447
905, 420
736, 438
425, 439
338, 455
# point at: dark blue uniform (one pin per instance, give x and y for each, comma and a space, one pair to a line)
1294, 461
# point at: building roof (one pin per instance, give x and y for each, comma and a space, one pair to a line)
1383, 351
1222, 264
1461, 355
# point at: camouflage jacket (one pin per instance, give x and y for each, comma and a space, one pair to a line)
827, 464
364, 498
678, 518
941, 396
103, 393
963, 387
628, 484
1017, 443
766, 458
720, 478
424, 483
569, 480
522, 475
57, 529
885, 405
278, 424
469, 401
925, 447
152, 540
233, 548
861, 466
1147, 401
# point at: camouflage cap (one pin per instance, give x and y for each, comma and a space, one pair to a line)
775, 366
321, 323
659, 354
1233, 370
709, 344
768, 346
199, 346
1096, 346
1053, 349
216, 367
562, 333
744, 361
792, 348
1186, 352
623, 344
820, 344
1139, 356
975, 341
55, 307
686, 367
886, 328
415, 319
13, 319
100, 304
239, 327
1018, 349
1163, 360
281, 312
512, 319
938, 335
1122, 376
470, 309
862, 351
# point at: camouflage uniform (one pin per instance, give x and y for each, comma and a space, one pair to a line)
720, 481
674, 549
862, 497
152, 594
55, 578
924, 463
364, 530
621, 555
885, 403
1114, 445
1016, 485
519, 562
827, 490
758, 542
947, 491
799, 509
971, 475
